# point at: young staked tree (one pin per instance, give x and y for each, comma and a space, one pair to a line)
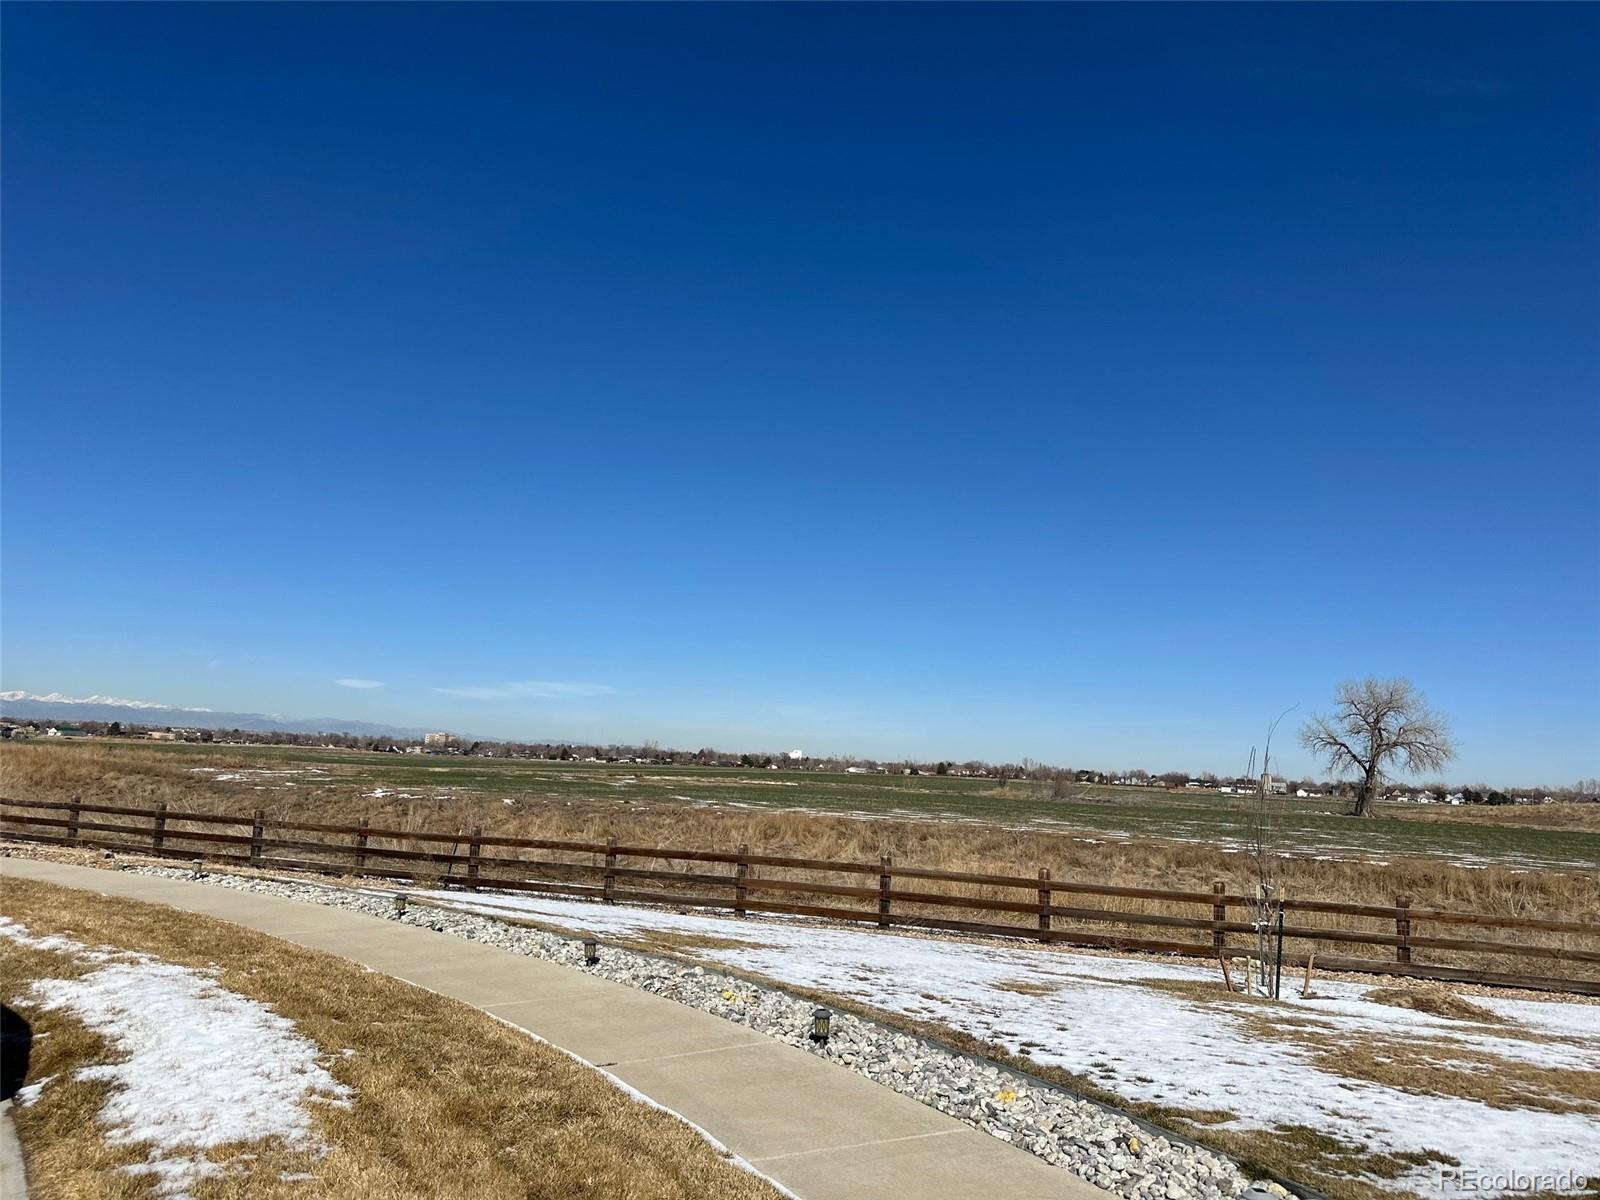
1378, 724
1261, 817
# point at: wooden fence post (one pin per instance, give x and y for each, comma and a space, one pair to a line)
1044, 902
361, 843
741, 872
610, 881
1402, 929
884, 863
474, 849
158, 831
1219, 914
255, 836
74, 815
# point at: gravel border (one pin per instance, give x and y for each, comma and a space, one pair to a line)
1109, 1149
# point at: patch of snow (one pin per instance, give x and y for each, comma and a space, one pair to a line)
201, 1066
25, 1096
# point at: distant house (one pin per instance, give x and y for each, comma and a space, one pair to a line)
161, 735
66, 731
1193, 783
1306, 793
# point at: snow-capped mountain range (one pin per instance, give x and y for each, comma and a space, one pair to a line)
58, 698
55, 706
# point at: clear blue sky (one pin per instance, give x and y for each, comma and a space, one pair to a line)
1085, 383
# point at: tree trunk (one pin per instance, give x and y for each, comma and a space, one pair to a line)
1369, 783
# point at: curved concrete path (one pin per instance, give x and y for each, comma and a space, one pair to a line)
818, 1129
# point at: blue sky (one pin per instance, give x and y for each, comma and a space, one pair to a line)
1085, 383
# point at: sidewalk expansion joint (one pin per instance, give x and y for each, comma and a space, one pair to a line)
628, 1062
910, 1137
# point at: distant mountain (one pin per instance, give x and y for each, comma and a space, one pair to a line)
26, 706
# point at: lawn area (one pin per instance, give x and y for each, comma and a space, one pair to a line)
171, 1048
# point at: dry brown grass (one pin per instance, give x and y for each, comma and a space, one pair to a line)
141, 776
1440, 1002
1425, 1066
449, 1102
1571, 818
1410, 1062
1023, 987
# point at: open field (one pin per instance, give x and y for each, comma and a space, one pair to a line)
589, 805
1560, 837
495, 1113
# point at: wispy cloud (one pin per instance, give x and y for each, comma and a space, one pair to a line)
359, 683
528, 689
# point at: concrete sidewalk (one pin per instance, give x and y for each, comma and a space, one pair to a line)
819, 1129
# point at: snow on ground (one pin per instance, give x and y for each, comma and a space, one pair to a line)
201, 1066
1101, 1017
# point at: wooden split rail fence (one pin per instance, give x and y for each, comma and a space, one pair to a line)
885, 894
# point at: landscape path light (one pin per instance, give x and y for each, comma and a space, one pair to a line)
399, 906
591, 950
197, 866
821, 1019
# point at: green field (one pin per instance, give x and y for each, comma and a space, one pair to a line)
1305, 826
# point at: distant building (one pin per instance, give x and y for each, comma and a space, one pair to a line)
161, 735
438, 741
1274, 786
66, 731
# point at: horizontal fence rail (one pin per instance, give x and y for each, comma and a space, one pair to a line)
887, 895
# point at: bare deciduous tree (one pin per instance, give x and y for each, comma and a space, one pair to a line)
1378, 723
